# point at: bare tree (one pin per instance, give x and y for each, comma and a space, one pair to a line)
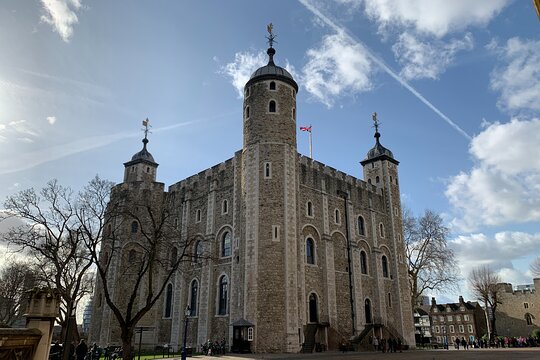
485, 285
52, 234
137, 257
431, 263
15, 278
535, 267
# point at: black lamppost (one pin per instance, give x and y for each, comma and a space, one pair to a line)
186, 313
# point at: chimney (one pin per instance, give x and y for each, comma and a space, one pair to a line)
433, 302
461, 299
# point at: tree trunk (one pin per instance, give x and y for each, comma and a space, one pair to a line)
127, 349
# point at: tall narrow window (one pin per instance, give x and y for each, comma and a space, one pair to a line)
377, 180
337, 217
168, 301
193, 301
224, 207
198, 216
310, 251
223, 293
272, 85
367, 311
267, 170
226, 244
247, 112
309, 209
381, 230
528, 319
385, 266
275, 232
272, 106
313, 311
363, 262
174, 256
389, 300
361, 226
134, 227
198, 251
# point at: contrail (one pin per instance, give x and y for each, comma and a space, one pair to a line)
341, 29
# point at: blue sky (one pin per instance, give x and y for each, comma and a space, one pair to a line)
456, 85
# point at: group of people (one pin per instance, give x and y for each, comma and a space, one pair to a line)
387, 345
214, 348
83, 352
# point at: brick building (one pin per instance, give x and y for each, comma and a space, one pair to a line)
457, 320
518, 314
299, 253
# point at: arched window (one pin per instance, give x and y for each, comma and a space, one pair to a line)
198, 251
361, 226
384, 266
132, 255
272, 106
168, 301
193, 300
337, 218
310, 251
528, 319
381, 230
309, 209
174, 256
226, 244
313, 311
363, 262
369, 181
367, 311
134, 227
377, 180
272, 85
224, 207
223, 294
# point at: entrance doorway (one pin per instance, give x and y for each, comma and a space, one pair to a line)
367, 309
313, 312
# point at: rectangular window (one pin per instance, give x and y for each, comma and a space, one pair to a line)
267, 170
526, 305
466, 317
451, 328
437, 329
275, 232
250, 334
461, 329
458, 318
441, 318
449, 318
470, 328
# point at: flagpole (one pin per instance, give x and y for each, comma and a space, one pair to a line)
310, 144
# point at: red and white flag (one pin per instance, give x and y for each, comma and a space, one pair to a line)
305, 128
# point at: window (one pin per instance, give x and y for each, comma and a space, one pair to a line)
470, 328
224, 207
381, 230
132, 255
294, 113
134, 227
337, 217
174, 257
385, 266
437, 329
361, 226
367, 311
309, 209
275, 232
528, 319
109, 230
441, 318
198, 251
451, 327
466, 317
223, 291
458, 318
267, 170
377, 179
272, 85
193, 300
272, 106
250, 334
310, 251
168, 301
448, 309
461, 329
246, 92
363, 262
176, 223
526, 305
389, 300
450, 318
198, 216
247, 112
226, 244
105, 258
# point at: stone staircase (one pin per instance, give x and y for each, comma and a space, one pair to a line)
309, 338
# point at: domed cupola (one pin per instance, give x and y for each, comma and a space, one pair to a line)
269, 109
378, 152
142, 166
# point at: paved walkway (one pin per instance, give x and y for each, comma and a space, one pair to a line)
482, 354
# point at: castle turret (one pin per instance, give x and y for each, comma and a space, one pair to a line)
142, 166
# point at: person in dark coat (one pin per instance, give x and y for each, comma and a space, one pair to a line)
81, 350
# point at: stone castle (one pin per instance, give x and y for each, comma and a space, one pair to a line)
518, 313
299, 254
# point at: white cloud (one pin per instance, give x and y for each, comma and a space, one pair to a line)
17, 129
245, 63
504, 184
61, 14
51, 120
338, 67
434, 17
422, 59
498, 252
518, 79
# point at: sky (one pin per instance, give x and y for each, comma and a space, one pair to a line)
455, 84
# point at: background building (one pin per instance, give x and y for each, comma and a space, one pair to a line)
457, 320
518, 314
298, 253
